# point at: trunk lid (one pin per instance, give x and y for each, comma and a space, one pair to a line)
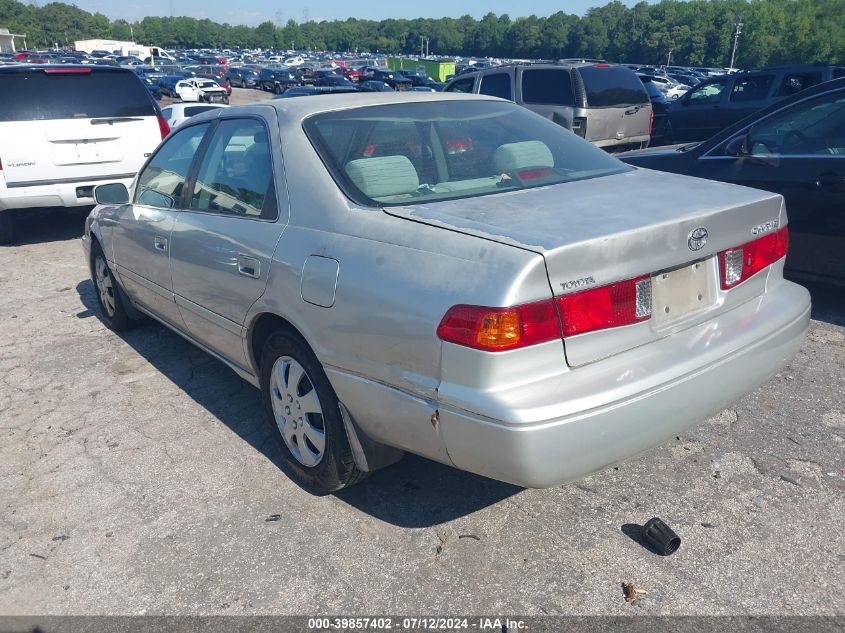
598, 231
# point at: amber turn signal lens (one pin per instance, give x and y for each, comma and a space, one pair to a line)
499, 329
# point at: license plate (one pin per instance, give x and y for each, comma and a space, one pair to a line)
683, 292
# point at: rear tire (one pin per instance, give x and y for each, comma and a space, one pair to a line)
7, 227
110, 295
300, 400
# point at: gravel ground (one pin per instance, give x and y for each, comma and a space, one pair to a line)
138, 475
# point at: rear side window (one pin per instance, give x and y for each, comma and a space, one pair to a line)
754, 88
191, 111
496, 85
547, 86
796, 82
236, 173
37, 96
611, 86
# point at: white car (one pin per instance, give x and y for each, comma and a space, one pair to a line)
671, 88
294, 61
199, 89
65, 129
178, 113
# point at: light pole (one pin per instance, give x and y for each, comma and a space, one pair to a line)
737, 33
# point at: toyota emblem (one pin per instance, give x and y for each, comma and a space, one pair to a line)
697, 239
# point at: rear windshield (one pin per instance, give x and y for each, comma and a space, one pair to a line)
609, 86
194, 110
37, 96
414, 153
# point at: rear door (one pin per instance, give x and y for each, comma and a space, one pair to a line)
74, 124
223, 241
618, 107
749, 94
800, 154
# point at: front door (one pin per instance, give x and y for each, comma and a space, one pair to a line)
698, 114
223, 242
141, 235
800, 154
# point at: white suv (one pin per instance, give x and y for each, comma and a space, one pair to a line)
64, 129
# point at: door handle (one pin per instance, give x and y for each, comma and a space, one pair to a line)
160, 243
249, 266
829, 179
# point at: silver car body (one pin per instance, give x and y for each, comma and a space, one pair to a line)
367, 287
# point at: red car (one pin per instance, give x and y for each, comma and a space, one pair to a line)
353, 74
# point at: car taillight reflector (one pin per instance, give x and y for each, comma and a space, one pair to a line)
499, 329
163, 126
622, 303
739, 263
650, 122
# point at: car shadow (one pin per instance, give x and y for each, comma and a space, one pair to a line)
828, 303
415, 492
49, 225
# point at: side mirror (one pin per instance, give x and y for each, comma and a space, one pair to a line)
112, 193
737, 146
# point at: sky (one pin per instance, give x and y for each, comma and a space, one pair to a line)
253, 12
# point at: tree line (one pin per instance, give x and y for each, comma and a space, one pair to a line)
695, 32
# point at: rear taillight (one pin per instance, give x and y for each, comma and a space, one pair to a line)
163, 127
622, 303
500, 329
739, 263
579, 126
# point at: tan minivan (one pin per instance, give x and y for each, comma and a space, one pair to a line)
603, 103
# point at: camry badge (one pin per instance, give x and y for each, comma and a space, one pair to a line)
697, 239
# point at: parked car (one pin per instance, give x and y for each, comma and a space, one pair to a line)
242, 77
153, 87
422, 81
64, 129
167, 84
334, 81
201, 89
395, 80
723, 100
277, 79
449, 275
795, 147
310, 91
607, 105
178, 113
659, 110
375, 86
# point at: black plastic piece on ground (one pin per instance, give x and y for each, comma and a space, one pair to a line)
660, 537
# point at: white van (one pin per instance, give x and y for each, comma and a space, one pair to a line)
65, 129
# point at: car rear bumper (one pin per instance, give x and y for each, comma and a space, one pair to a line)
55, 193
725, 358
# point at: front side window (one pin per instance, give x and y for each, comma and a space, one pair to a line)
236, 173
754, 88
707, 94
496, 85
547, 86
415, 153
815, 127
161, 182
462, 85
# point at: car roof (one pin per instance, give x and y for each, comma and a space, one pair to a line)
303, 108
58, 68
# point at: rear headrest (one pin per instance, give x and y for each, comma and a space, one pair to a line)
260, 137
514, 156
383, 176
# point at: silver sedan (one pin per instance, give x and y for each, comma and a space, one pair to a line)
450, 275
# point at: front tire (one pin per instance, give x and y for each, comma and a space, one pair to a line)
109, 294
277, 89
300, 400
